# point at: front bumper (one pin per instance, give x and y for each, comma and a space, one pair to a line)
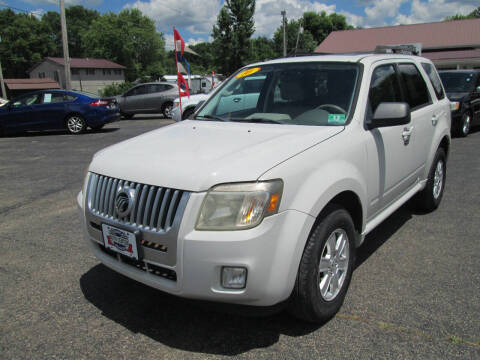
271, 253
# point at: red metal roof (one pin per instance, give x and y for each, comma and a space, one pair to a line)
443, 34
31, 84
453, 55
87, 63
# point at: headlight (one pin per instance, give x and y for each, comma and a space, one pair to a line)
239, 206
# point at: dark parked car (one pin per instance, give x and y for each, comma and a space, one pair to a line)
148, 98
463, 89
57, 109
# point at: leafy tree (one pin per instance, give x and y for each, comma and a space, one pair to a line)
261, 49
231, 34
475, 14
25, 41
116, 89
317, 26
78, 19
128, 38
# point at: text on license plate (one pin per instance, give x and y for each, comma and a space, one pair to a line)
121, 241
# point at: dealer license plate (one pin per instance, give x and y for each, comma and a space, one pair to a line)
121, 241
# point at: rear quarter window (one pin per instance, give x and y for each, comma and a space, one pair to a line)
434, 79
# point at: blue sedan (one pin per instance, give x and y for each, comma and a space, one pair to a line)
57, 109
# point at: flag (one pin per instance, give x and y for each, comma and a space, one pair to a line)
182, 86
177, 38
213, 79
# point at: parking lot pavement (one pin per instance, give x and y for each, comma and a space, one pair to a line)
414, 294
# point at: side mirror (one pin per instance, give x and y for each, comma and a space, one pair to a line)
390, 114
478, 89
200, 103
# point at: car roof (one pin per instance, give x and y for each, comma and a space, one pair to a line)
347, 58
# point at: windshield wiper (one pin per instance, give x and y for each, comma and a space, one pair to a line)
213, 117
257, 120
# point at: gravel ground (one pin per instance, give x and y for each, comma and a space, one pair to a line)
414, 294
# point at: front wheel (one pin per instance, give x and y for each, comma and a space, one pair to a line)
465, 125
325, 268
187, 113
75, 124
430, 197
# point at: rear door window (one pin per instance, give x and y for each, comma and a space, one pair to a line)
415, 88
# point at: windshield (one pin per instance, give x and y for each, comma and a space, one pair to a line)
457, 81
300, 93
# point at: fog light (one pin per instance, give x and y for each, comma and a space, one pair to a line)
234, 277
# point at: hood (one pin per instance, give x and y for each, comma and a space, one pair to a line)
195, 155
457, 96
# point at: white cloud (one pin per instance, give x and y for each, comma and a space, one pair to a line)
268, 17
381, 12
195, 16
434, 10
87, 3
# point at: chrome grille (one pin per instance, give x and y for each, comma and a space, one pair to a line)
154, 208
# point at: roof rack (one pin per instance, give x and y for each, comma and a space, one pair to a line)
408, 49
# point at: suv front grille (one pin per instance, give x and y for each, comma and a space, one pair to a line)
154, 208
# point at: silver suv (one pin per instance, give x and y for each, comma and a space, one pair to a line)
148, 98
263, 197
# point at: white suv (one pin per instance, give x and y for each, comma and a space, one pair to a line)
266, 201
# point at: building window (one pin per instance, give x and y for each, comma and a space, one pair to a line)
90, 71
107, 72
75, 72
41, 75
117, 72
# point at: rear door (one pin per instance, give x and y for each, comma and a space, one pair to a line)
135, 99
153, 97
476, 101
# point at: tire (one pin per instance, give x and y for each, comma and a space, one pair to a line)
128, 116
75, 124
167, 110
314, 297
464, 126
430, 197
187, 113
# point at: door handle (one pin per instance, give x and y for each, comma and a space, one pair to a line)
237, 100
407, 132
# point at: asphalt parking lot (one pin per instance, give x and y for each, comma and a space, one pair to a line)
414, 294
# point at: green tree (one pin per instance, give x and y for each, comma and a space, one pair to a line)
130, 39
25, 41
261, 49
475, 14
317, 26
231, 34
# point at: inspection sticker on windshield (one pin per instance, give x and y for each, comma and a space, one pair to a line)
247, 72
336, 119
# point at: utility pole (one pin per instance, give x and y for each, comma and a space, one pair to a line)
4, 93
300, 31
66, 57
284, 38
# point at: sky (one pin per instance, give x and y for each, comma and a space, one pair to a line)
194, 19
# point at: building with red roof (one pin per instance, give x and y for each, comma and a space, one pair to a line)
87, 74
449, 44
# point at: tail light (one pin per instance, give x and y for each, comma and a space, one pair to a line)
100, 103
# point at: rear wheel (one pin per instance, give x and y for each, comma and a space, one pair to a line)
167, 110
325, 268
430, 197
75, 124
